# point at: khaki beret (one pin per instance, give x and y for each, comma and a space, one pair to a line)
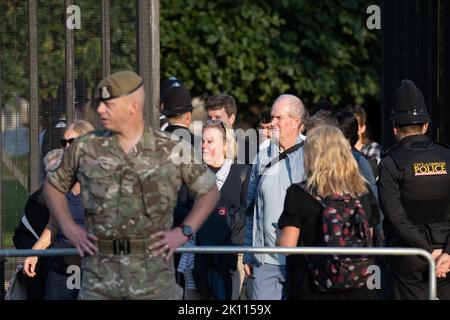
117, 85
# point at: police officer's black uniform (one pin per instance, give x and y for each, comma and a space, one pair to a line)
164, 87
177, 100
414, 194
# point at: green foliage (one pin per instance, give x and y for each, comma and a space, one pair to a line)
13, 203
13, 53
256, 50
51, 44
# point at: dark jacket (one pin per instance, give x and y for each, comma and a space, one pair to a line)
37, 215
185, 201
224, 227
414, 193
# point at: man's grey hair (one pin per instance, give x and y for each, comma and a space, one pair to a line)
52, 159
296, 106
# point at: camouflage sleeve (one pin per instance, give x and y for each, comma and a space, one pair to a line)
198, 178
196, 175
64, 177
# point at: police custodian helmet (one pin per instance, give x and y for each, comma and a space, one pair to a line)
409, 105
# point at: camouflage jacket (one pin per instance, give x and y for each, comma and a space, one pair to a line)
130, 194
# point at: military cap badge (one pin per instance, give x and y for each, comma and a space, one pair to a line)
105, 92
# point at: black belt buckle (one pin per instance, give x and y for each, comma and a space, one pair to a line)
121, 245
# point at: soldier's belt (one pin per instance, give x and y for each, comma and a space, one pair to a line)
123, 246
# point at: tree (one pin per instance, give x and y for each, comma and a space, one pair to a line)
51, 42
259, 49
254, 50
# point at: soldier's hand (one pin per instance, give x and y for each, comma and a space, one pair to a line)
166, 242
443, 265
81, 239
29, 266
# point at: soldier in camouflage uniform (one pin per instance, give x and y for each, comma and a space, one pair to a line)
129, 182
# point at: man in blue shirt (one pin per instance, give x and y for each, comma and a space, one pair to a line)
268, 190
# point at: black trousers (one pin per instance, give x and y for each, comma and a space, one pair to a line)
410, 281
36, 285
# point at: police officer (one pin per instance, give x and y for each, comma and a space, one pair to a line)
414, 193
178, 111
164, 86
129, 182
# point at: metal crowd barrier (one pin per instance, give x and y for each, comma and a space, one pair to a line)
279, 250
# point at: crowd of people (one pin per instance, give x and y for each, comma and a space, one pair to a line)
126, 200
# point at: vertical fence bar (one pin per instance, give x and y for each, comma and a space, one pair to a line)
1, 149
443, 74
438, 68
432, 277
2, 278
106, 39
143, 50
155, 66
2, 259
69, 58
33, 160
413, 28
384, 102
148, 56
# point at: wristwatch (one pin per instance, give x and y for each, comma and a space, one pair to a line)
187, 230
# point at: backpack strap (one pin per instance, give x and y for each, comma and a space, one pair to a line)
281, 157
243, 174
274, 161
29, 227
313, 194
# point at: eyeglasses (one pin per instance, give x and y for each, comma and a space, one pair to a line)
66, 142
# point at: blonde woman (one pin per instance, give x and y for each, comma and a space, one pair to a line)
56, 287
331, 173
219, 277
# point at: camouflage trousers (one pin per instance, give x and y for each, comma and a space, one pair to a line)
132, 276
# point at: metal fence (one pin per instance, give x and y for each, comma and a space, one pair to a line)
278, 250
48, 69
416, 45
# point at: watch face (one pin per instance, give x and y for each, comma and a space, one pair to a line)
187, 231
